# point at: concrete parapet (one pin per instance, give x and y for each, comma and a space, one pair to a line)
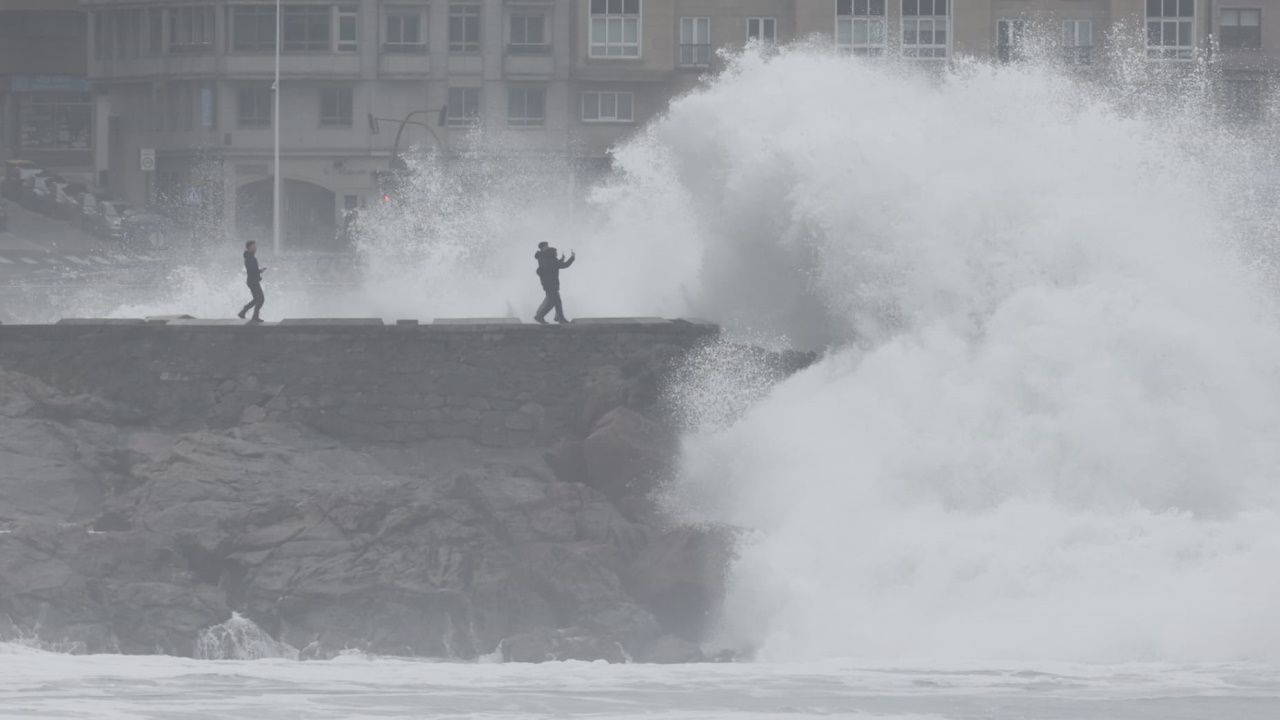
495, 382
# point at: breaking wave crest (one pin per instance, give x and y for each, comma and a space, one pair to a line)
1047, 425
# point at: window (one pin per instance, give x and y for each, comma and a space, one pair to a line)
55, 121
336, 107
404, 30
602, 107
526, 107
1009, 38
191, 28
924, 28
860, 26
695, 42
528, 34
208, 106
762, 29
1170, 29
347, 41
253, 28
155, 31
464, 107
104, 34
615, 28
1240, 29
128, 33
306, 28
253, 107
1077, 41
464, 28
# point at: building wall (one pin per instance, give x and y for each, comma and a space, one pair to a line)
42, 77
390, 85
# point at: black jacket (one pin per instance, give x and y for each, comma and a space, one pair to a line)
549, 267
252, 274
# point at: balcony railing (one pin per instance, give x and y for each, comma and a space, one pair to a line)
695, 55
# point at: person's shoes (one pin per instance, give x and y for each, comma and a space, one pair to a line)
240, 314
540, 321
255, 320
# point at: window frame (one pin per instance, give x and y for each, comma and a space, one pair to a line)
762, 19
596, 99
854, 14
1010, 32
1179, 51
526, 121
694, 54
601, 48
341, 12
1074, 52
346, 95
527, 48
260, 14
931, 51
183, 18
401, 13
466, 11
1246, 41
257, 92
308, 13
471, 115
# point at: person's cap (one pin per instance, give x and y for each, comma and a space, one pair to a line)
542, 245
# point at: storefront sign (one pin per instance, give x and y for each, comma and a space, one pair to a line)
49, 84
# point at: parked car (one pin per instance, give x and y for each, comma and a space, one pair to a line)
66, 199
144, 230
44, 193
108, 219
15, 172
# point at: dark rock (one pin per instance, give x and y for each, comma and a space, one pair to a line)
561, 645
567, 461
628, 455
671, 650
680, 578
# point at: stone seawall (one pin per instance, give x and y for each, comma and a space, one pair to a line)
448, 490
492, 383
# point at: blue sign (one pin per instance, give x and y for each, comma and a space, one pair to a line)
49, 83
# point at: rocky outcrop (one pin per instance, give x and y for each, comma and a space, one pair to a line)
130, 523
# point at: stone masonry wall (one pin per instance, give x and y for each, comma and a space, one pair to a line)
500, 385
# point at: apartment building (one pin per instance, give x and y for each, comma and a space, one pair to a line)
46, 107
191, 80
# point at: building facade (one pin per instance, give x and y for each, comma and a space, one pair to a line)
46, 106
192, 80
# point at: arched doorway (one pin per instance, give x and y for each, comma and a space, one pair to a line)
308, 211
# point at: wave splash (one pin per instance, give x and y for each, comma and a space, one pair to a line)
1047, 429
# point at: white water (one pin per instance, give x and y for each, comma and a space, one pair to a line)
45, 685
1047, 427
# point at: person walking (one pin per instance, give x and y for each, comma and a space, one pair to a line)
253, 278
550, 263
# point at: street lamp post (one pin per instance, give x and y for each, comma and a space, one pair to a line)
275, 116
396, 162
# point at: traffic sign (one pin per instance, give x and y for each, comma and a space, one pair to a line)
147, 159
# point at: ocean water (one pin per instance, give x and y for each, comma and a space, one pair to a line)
1034, 475
34, 684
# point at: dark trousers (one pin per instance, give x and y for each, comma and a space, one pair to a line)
551, 302
258, 299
